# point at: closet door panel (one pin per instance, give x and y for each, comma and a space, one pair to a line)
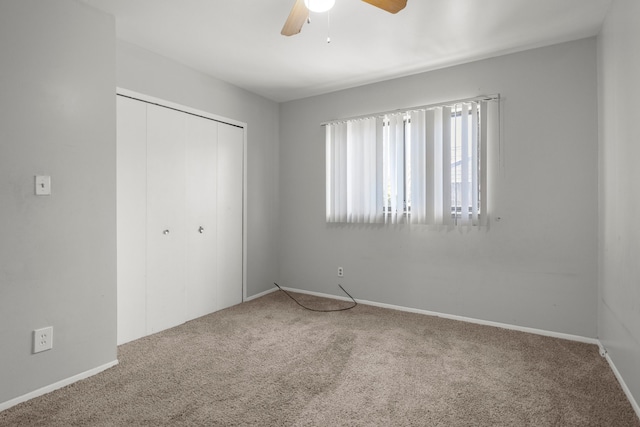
230, 218
131, 218
201, 214
166, 133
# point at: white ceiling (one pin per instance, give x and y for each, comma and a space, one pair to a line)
239, 41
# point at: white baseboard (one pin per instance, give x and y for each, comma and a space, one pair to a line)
51, 387
261, 294
460, 318
625, 388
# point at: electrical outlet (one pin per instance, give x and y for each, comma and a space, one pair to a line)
340, 272
42, 339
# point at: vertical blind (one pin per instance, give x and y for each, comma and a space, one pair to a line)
423, 165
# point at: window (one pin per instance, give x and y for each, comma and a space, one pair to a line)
422, 166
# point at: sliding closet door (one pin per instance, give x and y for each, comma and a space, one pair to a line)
131, 218
202, 265
230, 205
166, 240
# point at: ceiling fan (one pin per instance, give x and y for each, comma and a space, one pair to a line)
300, 12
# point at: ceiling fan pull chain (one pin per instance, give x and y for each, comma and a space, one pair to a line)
329, 27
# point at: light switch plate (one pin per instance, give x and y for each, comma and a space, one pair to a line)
43, 185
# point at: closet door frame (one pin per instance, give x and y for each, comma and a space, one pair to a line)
168, 104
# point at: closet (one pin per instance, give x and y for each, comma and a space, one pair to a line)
179, 216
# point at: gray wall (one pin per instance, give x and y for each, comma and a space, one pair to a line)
534, 268
619, 272
58, 252
145, 72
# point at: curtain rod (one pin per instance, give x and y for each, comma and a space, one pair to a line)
493, 97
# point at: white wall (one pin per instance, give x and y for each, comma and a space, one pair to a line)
151, 74
534, 268
58, 252
619, 272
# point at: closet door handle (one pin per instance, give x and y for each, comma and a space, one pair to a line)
165, 232
201, 229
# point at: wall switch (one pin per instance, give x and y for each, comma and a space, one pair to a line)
340, 272
43, 339
43, 185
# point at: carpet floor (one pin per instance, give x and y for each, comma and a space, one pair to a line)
268, 362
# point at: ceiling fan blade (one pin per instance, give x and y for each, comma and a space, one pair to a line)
298, 15
391, 6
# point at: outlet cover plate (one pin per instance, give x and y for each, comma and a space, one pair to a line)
42, 339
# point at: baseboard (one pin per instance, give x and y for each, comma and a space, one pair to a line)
625, 388
460, 318
51, 387
261, 294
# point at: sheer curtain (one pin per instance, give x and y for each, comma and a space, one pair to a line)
420, 166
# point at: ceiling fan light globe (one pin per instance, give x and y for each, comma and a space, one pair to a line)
319, 6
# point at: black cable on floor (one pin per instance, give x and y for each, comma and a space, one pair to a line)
321, 311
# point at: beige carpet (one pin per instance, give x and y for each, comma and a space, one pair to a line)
269, 362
